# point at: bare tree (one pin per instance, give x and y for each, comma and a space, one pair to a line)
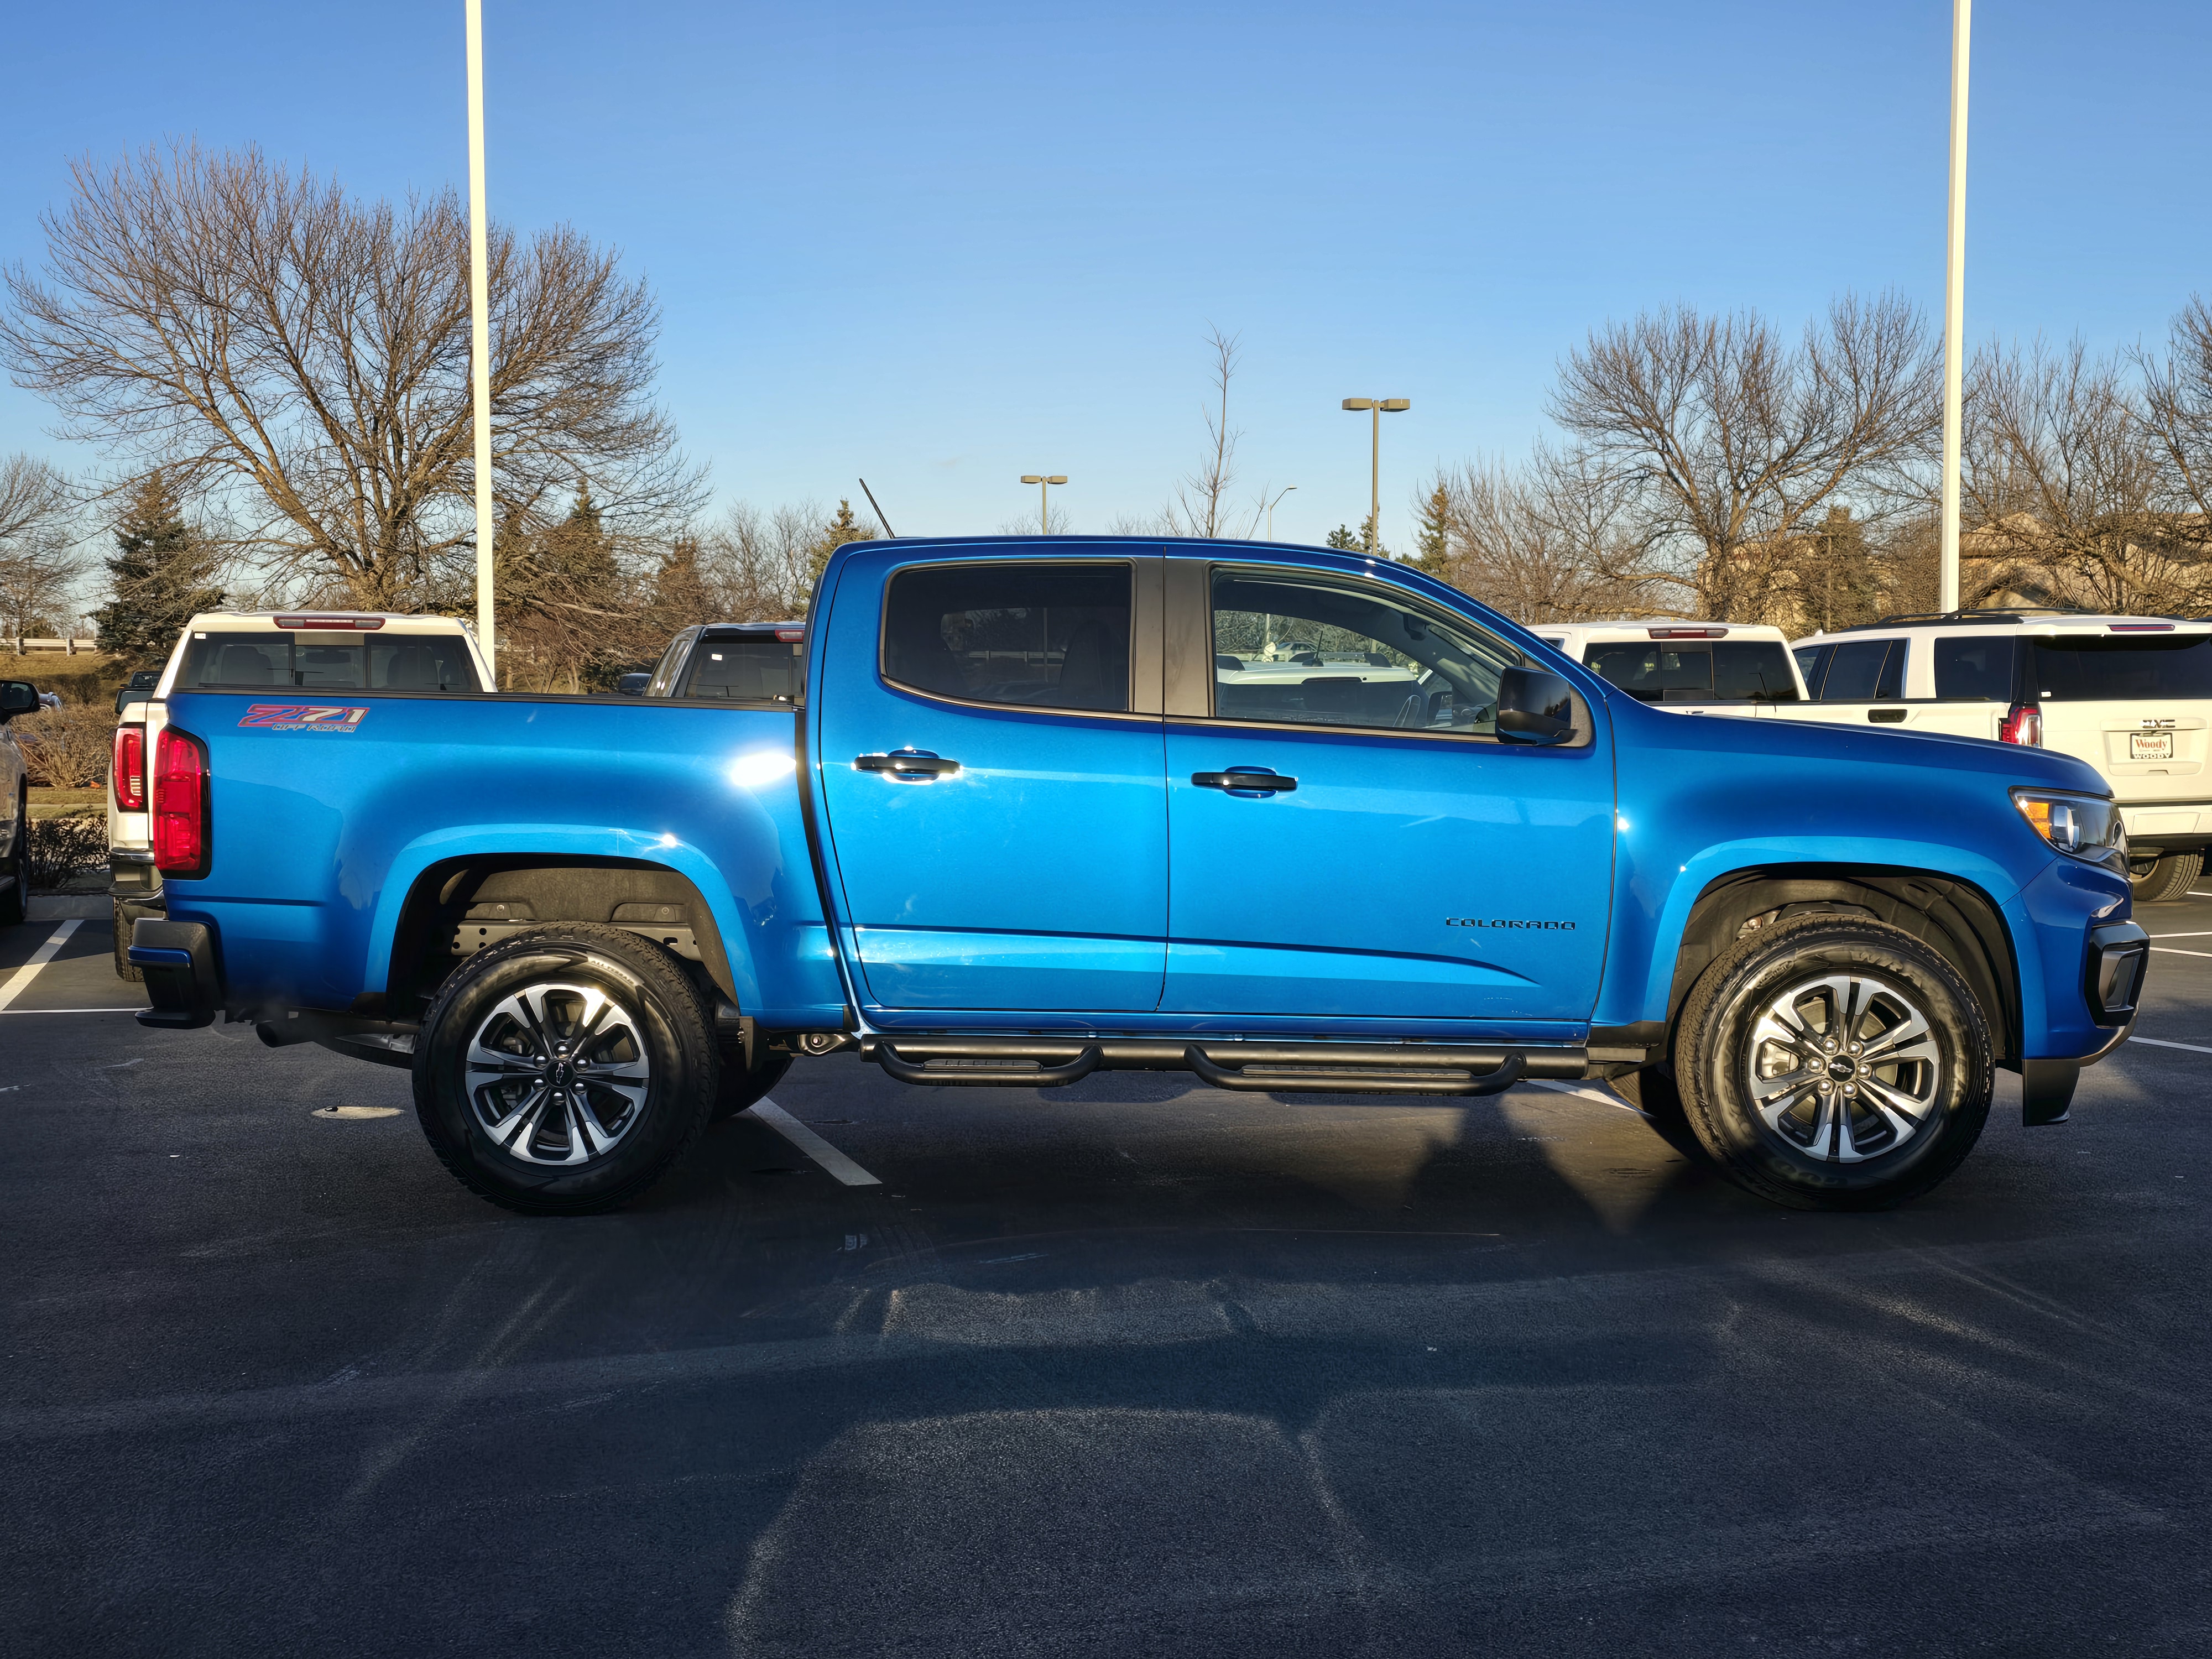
2071, 471
1201, 506
2178, 403
1734, 438
38, 561
299, 360
1554, 540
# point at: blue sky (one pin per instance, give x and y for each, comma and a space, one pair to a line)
946, 244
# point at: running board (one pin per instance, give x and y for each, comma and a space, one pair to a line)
1412, 1068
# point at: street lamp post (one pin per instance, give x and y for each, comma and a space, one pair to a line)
1044, 497
1382, 406
480, 341
1954, 307
1286, 490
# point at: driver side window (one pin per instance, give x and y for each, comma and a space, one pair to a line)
1322, 651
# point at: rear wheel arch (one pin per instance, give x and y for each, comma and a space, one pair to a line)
1954, 918
556, 887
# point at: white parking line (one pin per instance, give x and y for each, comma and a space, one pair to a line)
2206, 934
20, 981
813, 1144
2161, 1042
19, 1013
2173, 950
1577, 1089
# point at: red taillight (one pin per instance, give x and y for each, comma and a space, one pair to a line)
2022, 723
128, 773
182, 844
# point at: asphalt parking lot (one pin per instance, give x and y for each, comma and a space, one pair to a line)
1134, 1367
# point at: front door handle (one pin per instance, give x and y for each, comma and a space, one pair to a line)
906, 763
1246, 780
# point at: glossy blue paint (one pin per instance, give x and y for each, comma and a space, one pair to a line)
1351, 895
1068, 878
1033, 878
318, 836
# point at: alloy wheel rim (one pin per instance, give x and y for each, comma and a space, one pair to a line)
558, 1074
1843, 1067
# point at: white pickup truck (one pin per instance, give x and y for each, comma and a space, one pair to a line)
1740, 669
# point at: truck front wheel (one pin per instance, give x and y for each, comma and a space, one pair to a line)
1834, 1063
564, 1071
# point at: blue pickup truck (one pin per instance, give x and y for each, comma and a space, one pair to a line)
1291, 820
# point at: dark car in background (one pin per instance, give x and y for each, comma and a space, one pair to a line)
750, 662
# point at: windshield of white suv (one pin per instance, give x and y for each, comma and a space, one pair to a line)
1728, 671
2096, 668
222, 661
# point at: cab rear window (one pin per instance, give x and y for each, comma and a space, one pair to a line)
220, 661
747, 668
2097, 668
1667, 670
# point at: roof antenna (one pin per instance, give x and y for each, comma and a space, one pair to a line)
880, 519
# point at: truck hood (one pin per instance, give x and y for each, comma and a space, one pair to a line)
1851, 745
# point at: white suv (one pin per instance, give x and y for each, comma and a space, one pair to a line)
2132, 695
295, 653
1687, 667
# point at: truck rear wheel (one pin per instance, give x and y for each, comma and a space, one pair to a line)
2169, 876
565, 1071
1834, 1063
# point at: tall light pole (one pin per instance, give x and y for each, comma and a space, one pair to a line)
480, 340
1044, 497
1286, 490
1382, 406
1955, 306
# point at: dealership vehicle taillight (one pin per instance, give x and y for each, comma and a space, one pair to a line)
182, 844
2023, 724
128, 773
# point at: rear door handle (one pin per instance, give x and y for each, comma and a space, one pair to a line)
906, 763
1245, 779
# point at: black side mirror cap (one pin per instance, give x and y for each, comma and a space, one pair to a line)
17, 697
1534, 706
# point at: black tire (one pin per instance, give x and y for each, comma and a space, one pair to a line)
2170, 877
1804, 1151
1652, 1091
742, 1088
123, 969
14, 898
657, 1022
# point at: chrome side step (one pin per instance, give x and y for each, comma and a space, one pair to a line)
1426, 1068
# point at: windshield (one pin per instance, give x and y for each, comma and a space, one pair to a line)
1727, 671
746, 667
2095, 668
217, 661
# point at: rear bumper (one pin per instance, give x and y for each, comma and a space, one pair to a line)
183, 981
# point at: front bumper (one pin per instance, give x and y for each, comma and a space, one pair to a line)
2114, 961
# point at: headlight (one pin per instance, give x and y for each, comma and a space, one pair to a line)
2087, 826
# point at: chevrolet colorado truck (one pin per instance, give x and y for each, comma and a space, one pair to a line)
1039, 812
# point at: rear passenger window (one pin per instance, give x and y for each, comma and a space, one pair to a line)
1864, 671
1036, 636
1975, 667
1296, 651
746, 668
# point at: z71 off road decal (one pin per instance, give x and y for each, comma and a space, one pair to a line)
304, 716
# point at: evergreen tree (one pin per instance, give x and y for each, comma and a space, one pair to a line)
841, 528
1839, 585
1433, 537
1342, 539
1361, 540
161, 576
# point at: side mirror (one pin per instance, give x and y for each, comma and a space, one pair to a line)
1534, 706
633, 684
17, 697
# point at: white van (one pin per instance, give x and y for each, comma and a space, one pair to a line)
1686, 667
290, 652
2132, 695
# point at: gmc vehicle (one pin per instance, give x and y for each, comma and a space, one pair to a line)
2130, 696
265, 652
1050, 808
16, 697
1687, 667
